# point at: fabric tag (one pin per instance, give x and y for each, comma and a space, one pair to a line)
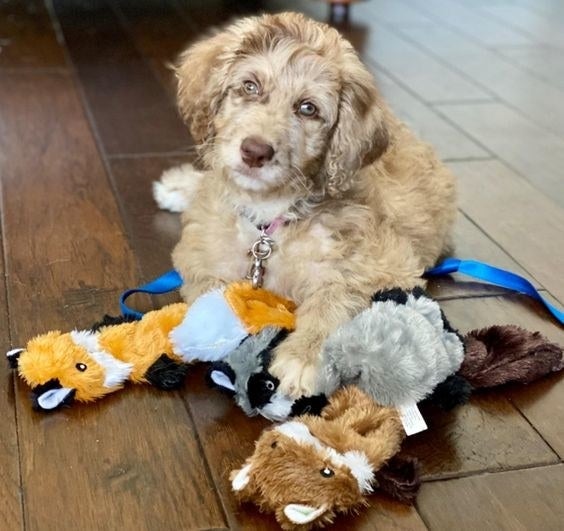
411, 418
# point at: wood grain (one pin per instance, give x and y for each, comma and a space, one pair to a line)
11, 516
159, 32
545, 62
27, 38
131, 110
537, 100
542, 402
153, 233
450, 142
523, 221
519, 500
131, 461
471, 242
488, 434
481, 27
413, 68
538, 27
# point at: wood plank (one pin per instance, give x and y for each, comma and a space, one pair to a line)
416, 69
519, 500
538, 27
450, 142
131, 110
542, 403
134, 458
479, 26
11, 516
153, 233
159, 32
473, 243
543, 61
489, 434
524, 222
531, 96
27, 38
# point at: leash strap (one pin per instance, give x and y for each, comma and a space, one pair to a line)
166, 283
493, 275
171, 281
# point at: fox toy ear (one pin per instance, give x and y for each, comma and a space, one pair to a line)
13, 357
53, 399
222, 376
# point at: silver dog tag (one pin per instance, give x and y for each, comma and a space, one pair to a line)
260, 252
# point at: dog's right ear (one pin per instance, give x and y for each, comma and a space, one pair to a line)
201, 72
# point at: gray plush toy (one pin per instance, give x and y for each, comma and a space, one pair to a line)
400, 350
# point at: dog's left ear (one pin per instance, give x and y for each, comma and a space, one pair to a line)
360, 135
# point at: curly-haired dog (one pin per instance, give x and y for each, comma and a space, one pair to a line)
292, 130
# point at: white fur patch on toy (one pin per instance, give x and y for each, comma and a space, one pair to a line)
210, 330
302, 514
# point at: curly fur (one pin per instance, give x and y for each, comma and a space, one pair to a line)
371, 205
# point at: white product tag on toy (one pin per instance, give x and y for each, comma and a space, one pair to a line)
411, 418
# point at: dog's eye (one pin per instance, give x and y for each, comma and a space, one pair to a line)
269, 384
327, 472
81, 367
250, 87
307, 108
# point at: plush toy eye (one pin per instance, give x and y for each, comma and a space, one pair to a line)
274, 444
269, 384
307, 109
327, 472
81, 367
250, 87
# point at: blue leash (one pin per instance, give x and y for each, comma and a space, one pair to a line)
166, 283
171, 281
493, 275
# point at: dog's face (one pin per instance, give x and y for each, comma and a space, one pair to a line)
273, 125
281, 103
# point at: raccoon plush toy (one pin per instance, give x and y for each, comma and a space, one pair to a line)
400, 350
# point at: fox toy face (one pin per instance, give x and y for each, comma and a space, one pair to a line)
63, 367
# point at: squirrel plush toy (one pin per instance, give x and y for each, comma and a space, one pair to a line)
85, 365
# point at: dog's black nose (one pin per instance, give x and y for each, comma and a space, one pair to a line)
255, 151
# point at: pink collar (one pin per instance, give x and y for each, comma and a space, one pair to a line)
270, 228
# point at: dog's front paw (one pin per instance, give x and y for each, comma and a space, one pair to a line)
297, 376
176, 187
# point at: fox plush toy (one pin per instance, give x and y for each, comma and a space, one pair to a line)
85, 365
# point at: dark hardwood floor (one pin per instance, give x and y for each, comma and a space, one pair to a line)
87, 122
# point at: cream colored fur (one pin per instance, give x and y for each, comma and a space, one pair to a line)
371, 205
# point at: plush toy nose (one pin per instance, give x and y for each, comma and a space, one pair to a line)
255, 151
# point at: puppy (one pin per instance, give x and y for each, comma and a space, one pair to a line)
293, 134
